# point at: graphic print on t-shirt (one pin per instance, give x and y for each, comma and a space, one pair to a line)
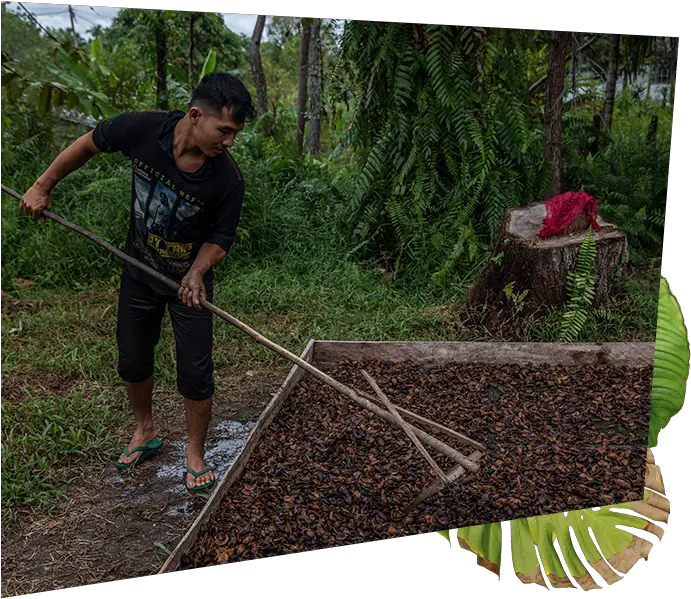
160, 214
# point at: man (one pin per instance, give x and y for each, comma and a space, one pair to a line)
187, 193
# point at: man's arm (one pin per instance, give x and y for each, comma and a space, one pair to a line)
76, 155
218, 242
192, 288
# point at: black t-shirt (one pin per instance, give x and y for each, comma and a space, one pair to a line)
173, 213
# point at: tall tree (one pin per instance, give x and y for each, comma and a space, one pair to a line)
74, 33
554, 100
190, 51
306, 25
611, 86
255, 60
313, 143
161, 60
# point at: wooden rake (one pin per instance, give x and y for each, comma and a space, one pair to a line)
378, 404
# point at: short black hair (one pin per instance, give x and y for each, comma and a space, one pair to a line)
223, 90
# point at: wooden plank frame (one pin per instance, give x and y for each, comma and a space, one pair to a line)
635, 354
235, 470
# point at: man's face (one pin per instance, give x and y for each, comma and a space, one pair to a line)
214, 131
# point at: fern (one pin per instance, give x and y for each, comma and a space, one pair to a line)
440, 139
580, 291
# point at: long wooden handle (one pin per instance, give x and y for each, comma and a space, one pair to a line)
452, 475
104, 244
440, 428
406, 427
426, 438
340, 387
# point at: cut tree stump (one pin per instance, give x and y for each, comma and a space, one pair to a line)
540, 265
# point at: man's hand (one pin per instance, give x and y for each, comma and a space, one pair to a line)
192, 289
35, 200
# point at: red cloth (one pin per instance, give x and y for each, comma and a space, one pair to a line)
563, 209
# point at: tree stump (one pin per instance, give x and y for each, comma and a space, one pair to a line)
540, 265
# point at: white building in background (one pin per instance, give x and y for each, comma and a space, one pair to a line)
652, 82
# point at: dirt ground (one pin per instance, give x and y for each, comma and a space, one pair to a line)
121, 525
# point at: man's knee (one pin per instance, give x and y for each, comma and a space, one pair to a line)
135, 370
197, 384
135, 366
196, 389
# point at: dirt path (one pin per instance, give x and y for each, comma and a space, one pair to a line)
116, 525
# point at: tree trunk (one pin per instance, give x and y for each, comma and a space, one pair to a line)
611, 86
74, 33
161, 61
540, 265
559, 49
314, 140
190, 53
574, 67
255, 60
302, 83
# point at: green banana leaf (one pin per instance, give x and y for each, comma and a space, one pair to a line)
671, 363
618, 549
209, 64
177, 73
485, 542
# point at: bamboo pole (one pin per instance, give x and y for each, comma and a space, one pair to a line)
340, 387
406, 427
452, 475
440, 428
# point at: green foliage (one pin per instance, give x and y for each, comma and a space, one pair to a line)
134, 26
516, 299
671, 363
77, 80
628, 173
97, 197
580, 290
443, 140
23, 44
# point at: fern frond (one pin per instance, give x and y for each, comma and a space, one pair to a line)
580, 290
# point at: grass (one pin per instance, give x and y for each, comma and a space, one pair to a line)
43, 439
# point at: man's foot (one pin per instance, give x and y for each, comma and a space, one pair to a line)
141, 437
205, 475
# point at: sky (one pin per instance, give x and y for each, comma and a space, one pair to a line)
57, 16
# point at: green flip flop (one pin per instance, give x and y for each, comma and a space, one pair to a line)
203, 487
147, 451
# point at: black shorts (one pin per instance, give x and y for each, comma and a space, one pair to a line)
140, 312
